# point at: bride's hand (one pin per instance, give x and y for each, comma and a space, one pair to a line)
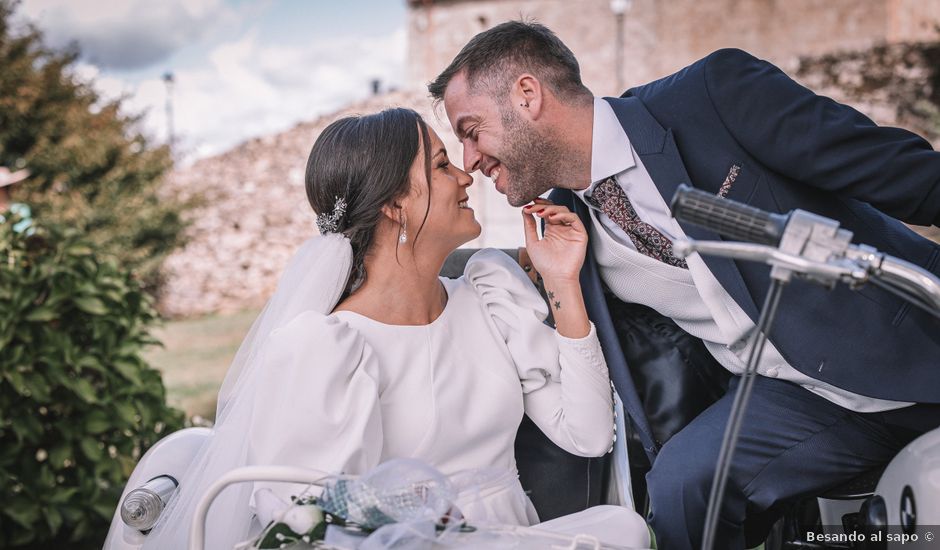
559, 254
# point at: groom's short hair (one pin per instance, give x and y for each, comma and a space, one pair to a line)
494, 58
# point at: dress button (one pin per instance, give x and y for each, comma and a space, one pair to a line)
773, 372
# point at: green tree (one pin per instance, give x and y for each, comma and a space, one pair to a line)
90, 166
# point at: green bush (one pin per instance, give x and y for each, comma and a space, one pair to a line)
78, 404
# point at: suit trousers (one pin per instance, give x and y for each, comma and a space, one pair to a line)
793, 444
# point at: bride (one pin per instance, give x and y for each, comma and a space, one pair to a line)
364, 354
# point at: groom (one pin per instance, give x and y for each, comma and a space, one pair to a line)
847, 378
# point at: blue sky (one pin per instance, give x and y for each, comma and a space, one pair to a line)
242, 67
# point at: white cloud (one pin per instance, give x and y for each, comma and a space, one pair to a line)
250, 88
126, 34
243, 87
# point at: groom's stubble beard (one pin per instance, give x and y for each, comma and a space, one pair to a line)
537, 160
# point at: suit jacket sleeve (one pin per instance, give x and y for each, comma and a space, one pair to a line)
823, 143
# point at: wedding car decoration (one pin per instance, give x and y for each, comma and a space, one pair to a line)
398, 492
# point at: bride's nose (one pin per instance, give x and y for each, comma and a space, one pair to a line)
464, 179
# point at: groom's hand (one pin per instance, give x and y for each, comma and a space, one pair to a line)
559, 254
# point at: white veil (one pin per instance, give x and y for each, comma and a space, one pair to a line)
314, 280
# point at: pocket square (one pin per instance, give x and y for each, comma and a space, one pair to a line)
729, 180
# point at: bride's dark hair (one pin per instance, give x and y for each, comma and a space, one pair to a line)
365, 161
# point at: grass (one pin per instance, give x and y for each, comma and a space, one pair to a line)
196, 356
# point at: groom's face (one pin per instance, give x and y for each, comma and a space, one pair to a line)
500, 142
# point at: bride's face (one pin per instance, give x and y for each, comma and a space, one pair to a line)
451, 221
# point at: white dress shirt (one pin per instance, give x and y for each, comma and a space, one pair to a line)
692, 297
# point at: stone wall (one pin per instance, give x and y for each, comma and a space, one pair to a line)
660, 37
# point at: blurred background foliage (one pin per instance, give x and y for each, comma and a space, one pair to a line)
90, 167
79, 402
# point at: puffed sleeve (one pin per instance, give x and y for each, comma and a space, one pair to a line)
318, 404
565, 383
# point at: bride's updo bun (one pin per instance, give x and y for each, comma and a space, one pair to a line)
364, 162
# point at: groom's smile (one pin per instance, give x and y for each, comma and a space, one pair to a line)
481, 128
492, 171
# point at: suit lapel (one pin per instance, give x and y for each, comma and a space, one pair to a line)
657, 149
596, 305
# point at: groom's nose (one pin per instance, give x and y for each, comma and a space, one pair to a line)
471, 157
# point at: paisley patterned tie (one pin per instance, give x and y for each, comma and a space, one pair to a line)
609, 197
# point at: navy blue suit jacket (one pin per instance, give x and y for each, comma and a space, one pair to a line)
795, 150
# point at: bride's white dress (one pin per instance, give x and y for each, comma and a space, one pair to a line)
343, 393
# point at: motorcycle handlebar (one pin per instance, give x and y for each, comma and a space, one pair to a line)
728, 218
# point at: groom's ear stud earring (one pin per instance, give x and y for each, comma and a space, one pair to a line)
526, 105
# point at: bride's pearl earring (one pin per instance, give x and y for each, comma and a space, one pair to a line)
403, 236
